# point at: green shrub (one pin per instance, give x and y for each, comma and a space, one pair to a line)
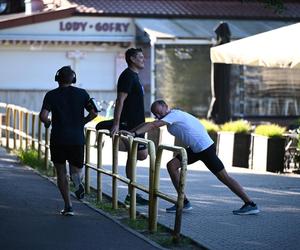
239, 126
210, 126
30, 158
270, 130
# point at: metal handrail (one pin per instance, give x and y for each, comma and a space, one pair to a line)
17, 122
154, 173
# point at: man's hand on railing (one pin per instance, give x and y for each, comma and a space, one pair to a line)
125, 132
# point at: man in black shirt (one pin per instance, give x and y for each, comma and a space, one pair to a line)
66, 104
129, 110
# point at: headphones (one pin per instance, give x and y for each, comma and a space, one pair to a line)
63, 72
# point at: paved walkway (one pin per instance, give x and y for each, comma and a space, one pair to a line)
211, 222
29, 219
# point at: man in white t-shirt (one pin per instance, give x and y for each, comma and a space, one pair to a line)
199, 146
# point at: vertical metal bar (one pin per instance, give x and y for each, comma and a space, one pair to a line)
154, 203
115, 146
180, 198
39, 139
27, 129
151, 153
87, 161
47, 148
21, 128
7, 125
99, 166
132, 189
33, 131
15, 128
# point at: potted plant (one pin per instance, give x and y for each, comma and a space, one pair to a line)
234, 143
211, 128
268, 148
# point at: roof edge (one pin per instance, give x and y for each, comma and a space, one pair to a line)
37, 17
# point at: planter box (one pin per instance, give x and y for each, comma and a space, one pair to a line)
234, 148
267, 153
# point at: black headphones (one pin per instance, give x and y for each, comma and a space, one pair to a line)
61, 73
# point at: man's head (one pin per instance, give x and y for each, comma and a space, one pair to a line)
159, 109
65, 75
135, 58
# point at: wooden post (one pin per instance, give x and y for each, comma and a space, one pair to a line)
15, 128
27, 129
47, 149
33, 131
180, 199
39, 139
87, 161
99, 166
151, 152
7, 125
21, 128
132, 189
115, 171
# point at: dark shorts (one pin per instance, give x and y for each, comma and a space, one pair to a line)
123, 126
74, 154
207, 156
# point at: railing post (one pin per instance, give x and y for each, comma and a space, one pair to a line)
15, 128
87, 161
27, 129
47, 148
151, 153
99, 166
33, 131
7, 124
39, 139
115, 146
180, 199
154, 203
132, 189
21, 128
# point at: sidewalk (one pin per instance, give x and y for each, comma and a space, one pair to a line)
211, 222
30, 219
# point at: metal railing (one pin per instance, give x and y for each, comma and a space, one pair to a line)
24, 129
154, 175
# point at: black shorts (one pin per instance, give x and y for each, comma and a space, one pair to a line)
207, 156
123, 126
74, 154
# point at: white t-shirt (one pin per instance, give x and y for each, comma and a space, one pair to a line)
188, 130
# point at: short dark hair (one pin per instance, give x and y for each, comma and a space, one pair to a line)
65, 75
158, 102
131, 52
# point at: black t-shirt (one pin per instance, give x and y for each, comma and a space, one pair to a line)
133, 113
67, 106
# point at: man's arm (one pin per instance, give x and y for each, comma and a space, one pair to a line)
117, 112
145, 127
91, 116
44, 117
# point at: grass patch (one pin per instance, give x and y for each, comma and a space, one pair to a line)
30, 158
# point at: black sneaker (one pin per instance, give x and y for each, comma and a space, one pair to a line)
247, 209
80, 192
186, 207
67, 211
139, 200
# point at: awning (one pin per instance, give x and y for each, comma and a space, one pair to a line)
201, 29
276, 48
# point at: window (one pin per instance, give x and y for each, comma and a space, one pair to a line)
260, 91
